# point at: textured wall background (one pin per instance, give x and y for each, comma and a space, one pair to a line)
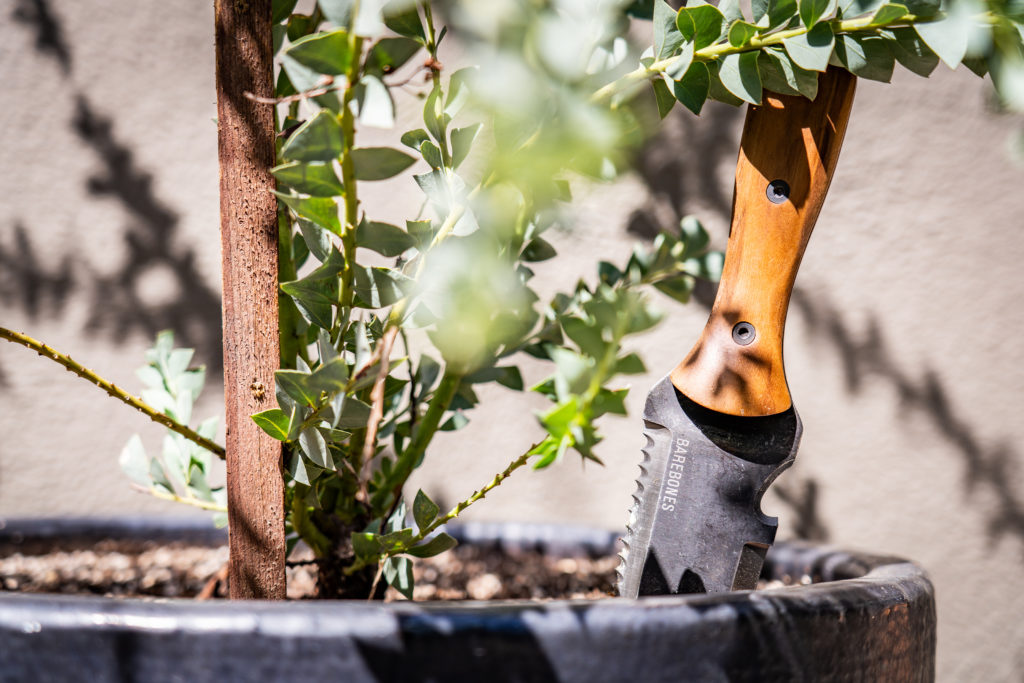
903, 337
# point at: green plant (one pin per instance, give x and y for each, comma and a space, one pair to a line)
386, 330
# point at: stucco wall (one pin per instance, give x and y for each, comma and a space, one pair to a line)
901, 346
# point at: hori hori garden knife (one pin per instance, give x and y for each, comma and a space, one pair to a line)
721, 426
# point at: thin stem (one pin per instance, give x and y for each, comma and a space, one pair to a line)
195, 502
421, 438
348, 174
477, 495
74, 367
451, 514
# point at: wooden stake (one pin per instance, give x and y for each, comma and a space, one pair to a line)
248, 215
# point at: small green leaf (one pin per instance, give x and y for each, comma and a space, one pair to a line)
274, 422
354, 414
866, 57
321, 210
573, 371
317, 240
431, 154
923, 8
135, 463
318, 139
813, 10
740, 33
663, 96
681, 63
716, 90
331, 377
630, 364
538, 249
415, 138
667, 37
587, 337
368, 22
315, 295
704, 26
771, 14
608, 401
313, 446
295, 384
433, 114
435, 546
1007, 70
388, 54
679, 288
811, 50
376, 107
855, 8
379, 163
462, 142
405, 23
302, 78
326, 53
948, 37
779, 74
317, 179
158, 477
379, 287
889, 13
383, 238
421, 231
398, 574
739, 75
424, 510
692, 89
507, 376
366, 546
281, 9
908, 48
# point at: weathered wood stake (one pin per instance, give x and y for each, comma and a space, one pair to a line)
248, 215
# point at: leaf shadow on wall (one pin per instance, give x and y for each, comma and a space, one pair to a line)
988, 469
120, 300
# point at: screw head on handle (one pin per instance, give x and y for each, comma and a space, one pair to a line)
777, 191
743, 333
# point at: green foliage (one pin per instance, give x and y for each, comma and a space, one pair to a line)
742, 56
181, 471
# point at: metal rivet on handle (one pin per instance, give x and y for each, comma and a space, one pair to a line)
778, 191
743, 333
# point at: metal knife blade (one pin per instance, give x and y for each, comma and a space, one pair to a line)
696, 524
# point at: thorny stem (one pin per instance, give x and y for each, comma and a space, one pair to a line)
453, 513
714, 52
121, 395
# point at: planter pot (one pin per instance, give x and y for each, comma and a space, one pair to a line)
865, 618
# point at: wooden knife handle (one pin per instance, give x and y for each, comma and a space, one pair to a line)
788, 152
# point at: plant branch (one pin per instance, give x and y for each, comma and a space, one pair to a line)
421, 438
195, 502
377, 401
712, 52
348, 174
454, 512
477, 495
113, 390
